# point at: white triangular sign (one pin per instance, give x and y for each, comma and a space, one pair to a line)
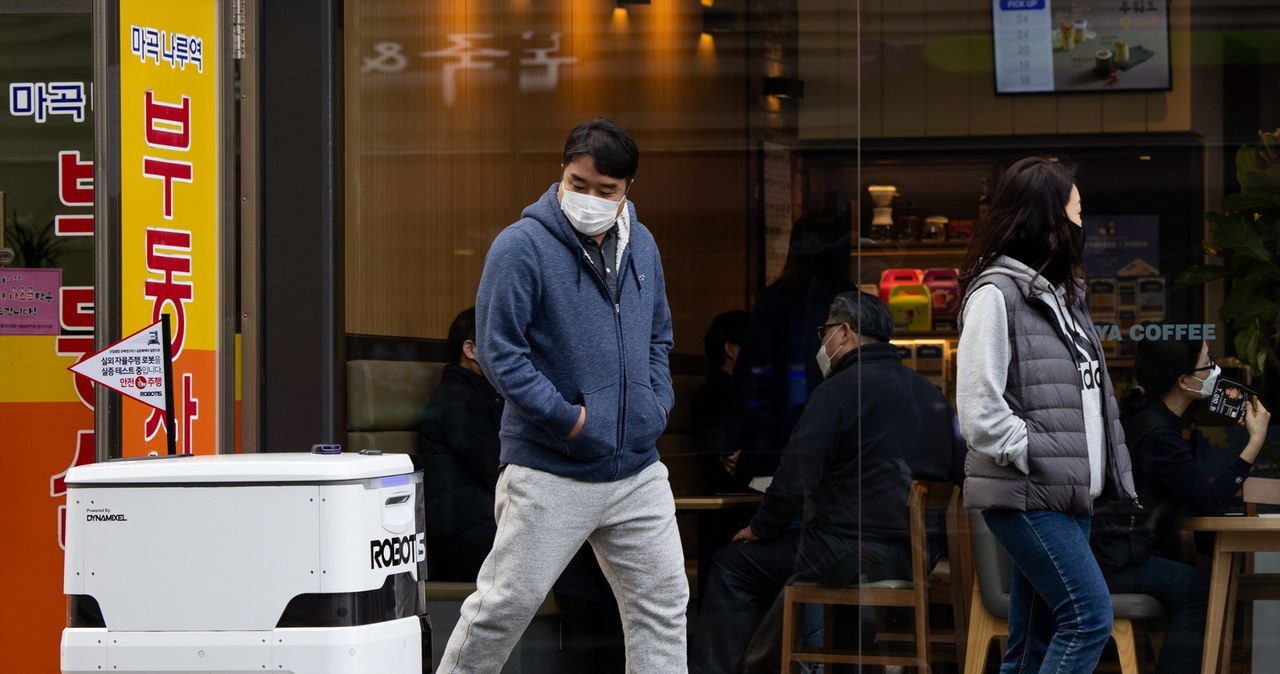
133, 366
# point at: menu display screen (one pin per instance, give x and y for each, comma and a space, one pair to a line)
1059, 46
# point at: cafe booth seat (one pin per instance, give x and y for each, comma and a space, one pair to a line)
677, 447
679, 452
385, 403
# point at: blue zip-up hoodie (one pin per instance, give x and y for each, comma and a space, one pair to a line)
551, 339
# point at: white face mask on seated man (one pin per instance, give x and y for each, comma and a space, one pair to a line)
824, 360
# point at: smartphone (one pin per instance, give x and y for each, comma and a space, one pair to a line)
1230, 397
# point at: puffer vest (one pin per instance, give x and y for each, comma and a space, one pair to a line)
1043, 388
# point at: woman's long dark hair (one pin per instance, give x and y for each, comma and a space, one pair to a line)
1028, 222
1157, 366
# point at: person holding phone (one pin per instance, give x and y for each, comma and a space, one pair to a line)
1141, 552
1171, 376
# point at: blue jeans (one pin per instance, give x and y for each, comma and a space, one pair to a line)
1059, 605
1183, 590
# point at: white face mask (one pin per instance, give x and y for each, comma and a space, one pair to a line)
589, 215
824, 361
1206, 384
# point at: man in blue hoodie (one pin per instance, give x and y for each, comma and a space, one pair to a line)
574, 331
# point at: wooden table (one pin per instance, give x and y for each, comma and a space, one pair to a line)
1233, 536
709, 510
719, 502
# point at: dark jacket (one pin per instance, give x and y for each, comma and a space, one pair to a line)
1044, 388
458, 451
868, 430
552, 340
1170, 484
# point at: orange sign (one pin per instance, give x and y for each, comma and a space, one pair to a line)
46, 413
169, 234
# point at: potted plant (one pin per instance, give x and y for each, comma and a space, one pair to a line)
33, 248
1247, 238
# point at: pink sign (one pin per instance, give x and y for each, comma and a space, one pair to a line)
29, 301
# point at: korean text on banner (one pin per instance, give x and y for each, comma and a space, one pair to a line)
169, 207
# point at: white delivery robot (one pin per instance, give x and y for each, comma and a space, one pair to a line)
300, 563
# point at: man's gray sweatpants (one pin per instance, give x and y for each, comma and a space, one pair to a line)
542, 521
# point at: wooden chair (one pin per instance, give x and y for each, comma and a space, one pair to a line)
903, 593
950, 586
1246, 586
989, 607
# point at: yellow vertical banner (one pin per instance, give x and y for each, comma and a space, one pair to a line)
169, 165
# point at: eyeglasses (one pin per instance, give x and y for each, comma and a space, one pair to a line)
822, 329
1212, 364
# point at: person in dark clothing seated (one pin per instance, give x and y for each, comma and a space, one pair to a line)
458, 452
775, 372
869, 429
722, 343
1141, 551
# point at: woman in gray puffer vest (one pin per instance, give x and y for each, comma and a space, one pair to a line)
1039, 415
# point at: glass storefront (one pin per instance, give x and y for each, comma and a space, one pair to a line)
790, 150
884, 127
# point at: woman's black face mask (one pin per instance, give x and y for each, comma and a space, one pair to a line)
1030, 253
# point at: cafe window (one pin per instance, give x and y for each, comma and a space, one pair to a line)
884, 127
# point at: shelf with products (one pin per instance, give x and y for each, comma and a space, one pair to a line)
1144, 194
912, 249
932, 354
925, 334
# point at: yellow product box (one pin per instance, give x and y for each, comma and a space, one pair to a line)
910, 307
931, 361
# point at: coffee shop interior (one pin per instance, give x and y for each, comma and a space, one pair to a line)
894, 117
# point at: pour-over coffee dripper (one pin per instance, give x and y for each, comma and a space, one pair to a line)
882, 211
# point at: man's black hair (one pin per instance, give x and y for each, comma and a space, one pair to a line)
731, 326
461, 329
613, 151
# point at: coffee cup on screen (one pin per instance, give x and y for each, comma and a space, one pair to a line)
1121, 52
1080, 27
1068, 35
1103, 59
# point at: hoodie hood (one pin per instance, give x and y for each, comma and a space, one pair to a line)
1032, 285
547, 212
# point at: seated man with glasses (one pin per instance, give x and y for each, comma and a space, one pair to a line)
868, 430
